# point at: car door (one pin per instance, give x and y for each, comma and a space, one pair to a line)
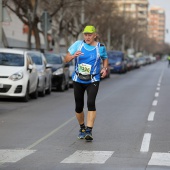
33, 75
48, 71
66, 69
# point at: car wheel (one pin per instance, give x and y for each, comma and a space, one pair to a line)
42, 93
26, 97
62, 86
34, 95
48, 91
67, 86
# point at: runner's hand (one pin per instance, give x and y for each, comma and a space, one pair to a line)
103, 73
77, 53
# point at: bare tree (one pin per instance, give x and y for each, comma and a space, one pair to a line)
26, 10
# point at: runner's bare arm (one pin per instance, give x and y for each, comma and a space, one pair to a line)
70, 57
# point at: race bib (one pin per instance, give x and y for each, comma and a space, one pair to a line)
84, 68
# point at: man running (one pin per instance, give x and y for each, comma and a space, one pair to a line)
87, 54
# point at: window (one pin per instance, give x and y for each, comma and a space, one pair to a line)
10, 59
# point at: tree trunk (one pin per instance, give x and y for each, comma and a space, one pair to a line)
37, 37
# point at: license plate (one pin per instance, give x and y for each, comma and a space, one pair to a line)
1, 86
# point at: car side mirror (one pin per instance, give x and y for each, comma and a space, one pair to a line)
30, 67
48, 66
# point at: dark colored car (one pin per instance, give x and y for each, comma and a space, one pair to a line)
117, 62
60, 71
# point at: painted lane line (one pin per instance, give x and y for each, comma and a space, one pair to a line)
88, 157
155, 102
145, 142
12, 156
50, 134
161, 76
158, 88
158, 84
156, 94
160, 159
151, 116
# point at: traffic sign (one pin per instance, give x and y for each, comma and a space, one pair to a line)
46, 21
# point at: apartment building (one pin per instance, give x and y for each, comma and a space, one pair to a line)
156, 24
136, 9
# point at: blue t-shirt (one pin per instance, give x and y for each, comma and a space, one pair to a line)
74, 47
89, 62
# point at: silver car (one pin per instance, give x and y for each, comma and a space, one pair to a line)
44, 73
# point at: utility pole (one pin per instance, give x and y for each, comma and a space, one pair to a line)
123, 35
82, 13
1, 45
82, 17
108, 38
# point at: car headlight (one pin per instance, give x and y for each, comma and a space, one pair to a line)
118, 63
58, 72
16, 76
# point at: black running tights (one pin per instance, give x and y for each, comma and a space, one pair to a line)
79, 90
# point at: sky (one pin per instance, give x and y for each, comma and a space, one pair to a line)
165, 4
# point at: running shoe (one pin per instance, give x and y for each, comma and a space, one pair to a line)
82, 133
88, 135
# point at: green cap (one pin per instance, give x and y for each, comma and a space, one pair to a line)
89, 29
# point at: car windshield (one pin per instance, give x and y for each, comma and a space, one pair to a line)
53, 59
114, 57
36, 59
10, 59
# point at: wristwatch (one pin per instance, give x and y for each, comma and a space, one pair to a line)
104, 68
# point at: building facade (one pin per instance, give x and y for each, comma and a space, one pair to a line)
156, 24
136, 9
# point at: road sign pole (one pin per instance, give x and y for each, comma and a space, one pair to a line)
45, 30
45, 26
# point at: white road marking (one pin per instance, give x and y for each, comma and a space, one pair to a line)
156, 94
151, 116
160, 159
158, 88
88, 157
49, 134
155, 102
145, 142
161, 76
12, 156
158, 84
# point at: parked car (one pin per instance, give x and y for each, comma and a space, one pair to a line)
138, 64
18, 74
60, 71
142, 61
117, 62
71, 71
129, 63
44, 73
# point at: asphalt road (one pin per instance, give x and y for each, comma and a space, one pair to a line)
131, 132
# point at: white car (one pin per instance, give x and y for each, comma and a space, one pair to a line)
18, 74
44, 73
